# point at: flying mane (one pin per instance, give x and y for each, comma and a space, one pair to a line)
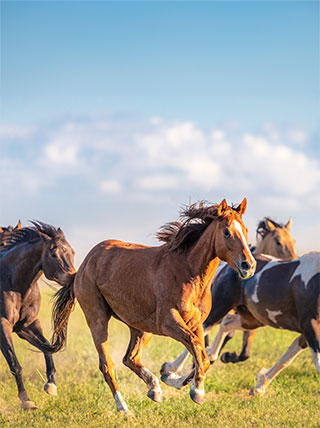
30, 234
194, 219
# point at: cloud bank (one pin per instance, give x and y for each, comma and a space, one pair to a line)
112, 157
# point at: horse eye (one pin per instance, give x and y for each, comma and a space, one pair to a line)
278, 242
54, 255
226, 233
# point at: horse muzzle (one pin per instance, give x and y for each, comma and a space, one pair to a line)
245, 269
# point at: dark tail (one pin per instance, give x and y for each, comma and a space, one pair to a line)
64, 301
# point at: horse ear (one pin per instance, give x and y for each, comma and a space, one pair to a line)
269, 225
18, 226
222, 207
288, 225
242, 207
1, 230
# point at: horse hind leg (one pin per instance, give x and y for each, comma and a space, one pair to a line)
265, 376
98, 314
8, 352
138, 341
33, 334
312, 333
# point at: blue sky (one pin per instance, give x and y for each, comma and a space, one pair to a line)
98, 98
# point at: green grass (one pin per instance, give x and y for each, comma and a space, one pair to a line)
84, 399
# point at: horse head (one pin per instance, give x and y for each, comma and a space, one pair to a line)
57, 256
231, 242
277, 240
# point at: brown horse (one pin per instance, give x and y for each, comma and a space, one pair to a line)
273, 239
161, 290
24, 255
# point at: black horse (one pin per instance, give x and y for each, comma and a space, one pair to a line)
24, 255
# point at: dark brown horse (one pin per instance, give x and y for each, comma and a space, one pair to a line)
273, 239
161, 290
282, 295
25, 254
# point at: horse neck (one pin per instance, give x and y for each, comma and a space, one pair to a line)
202, 257
25, 263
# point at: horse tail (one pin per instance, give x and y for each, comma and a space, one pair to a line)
64, 302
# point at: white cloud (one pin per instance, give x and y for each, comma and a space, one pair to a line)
110, 186
62, 152
159, 161
155, 182
8, 132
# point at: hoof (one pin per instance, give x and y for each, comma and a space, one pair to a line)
127, 414
155, 395
51, 389
170, 379
197, 395
254, 391
228, 357
28, 405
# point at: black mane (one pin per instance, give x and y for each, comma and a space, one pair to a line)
263, 229
30, 234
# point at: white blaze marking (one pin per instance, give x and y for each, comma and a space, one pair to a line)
238, 227
273, 314
309, 265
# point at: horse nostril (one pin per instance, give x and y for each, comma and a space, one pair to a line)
245, 266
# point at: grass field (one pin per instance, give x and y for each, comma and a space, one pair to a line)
293, 399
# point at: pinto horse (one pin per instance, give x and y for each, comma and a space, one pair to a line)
161, 290
282, 295
273, 239
24, 255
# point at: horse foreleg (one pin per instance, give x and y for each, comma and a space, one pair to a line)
175, 327
33, 334
230, 322
138, 341
8, 352
265, 376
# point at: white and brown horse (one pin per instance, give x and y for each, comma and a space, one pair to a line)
282, 295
